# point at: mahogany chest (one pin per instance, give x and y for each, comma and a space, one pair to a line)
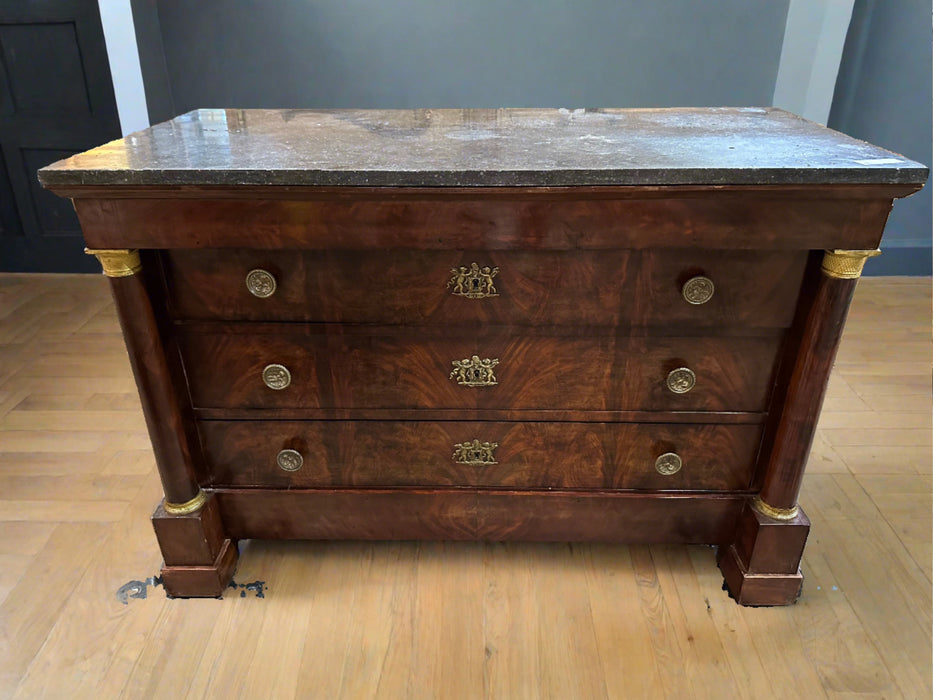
588, 325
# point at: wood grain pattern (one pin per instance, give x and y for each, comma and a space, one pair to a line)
370, 368
786, 361
452, 514
164, 407
482, 219
608, 288
820, 337
31, 608
529, 455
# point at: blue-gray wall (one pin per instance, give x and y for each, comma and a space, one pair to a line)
884, 94
546, 53
460, 53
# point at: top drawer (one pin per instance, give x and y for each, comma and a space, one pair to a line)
615, 287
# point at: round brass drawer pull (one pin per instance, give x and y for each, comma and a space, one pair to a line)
668, 463
681, 380
260, 283
698, 290
289, 460
276, 376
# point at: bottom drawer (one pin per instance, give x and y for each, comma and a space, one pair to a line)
308, 454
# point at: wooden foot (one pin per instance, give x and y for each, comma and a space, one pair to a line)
762, 567
202, 581
199, 558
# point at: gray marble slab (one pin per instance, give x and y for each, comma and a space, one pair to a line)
473, 148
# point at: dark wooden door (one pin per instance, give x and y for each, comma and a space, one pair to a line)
56, 99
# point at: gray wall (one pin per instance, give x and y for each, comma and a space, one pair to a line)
460, 53
884, 95
149, 43
557, 53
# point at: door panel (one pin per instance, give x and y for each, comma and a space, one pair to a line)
9, 218
28, 50
56, 216
56, 99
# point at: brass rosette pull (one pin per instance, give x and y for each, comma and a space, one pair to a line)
276, 377
289, 460
681, 380
261, 283
669, 463
698, 290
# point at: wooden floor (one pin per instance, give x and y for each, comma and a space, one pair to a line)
436, 620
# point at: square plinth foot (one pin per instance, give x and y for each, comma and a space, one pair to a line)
191, 539
202, 581
199, 559
762, 566
757, 589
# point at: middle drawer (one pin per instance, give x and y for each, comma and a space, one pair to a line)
332, 366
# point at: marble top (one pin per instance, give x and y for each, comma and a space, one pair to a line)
485, 147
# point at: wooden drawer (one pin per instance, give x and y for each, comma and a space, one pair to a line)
612, 287
526, 455
384, 367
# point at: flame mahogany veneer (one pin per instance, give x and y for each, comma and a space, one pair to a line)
577, 435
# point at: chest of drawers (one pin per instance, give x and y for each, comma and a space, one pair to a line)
600, 325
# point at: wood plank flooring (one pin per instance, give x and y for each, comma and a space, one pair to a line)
442, 620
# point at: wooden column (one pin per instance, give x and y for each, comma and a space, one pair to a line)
199, 559
161, 405
821, 335
762, 567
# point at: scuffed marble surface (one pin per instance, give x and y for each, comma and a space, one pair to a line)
467, 148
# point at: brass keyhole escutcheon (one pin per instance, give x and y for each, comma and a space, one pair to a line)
668, 463
276, 377
260, 283
475, 453
289, 460
681, 380
473, 282
698, 290
474, 371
